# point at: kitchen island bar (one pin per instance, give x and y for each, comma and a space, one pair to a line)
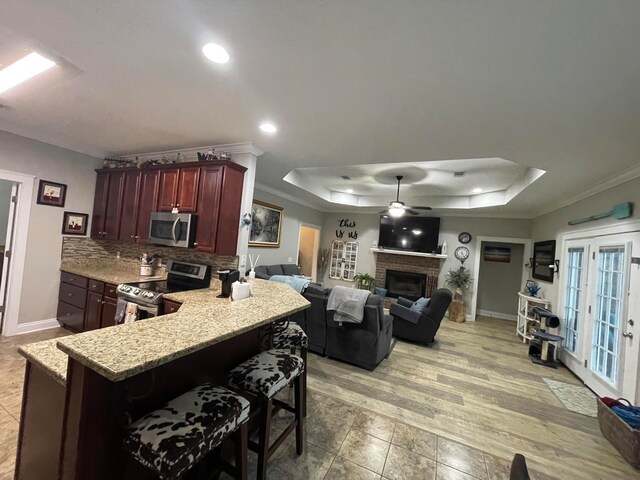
115, 375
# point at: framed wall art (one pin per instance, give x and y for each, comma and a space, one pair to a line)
75, 223
51, 193
266, 225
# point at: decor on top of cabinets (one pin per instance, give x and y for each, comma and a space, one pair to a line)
544, 254
51, 193
462, 254
459, 278
245, 221
344, 257
75, 223
266, 225
464, 237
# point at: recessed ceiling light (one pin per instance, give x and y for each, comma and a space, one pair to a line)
24, 69
477, 190
268, 127
216, 53
349, 190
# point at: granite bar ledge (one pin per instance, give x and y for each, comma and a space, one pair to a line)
122, 351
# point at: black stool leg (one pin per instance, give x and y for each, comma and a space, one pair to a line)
263, 444
241, 453
299, 399
303, 354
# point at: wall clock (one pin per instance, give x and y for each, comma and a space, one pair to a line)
464, 237
461, 253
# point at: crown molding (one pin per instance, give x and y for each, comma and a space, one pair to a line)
603, 185
189, 154
286, 196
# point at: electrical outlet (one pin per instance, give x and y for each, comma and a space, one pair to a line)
243, 260
290, 259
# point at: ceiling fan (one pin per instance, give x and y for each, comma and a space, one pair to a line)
397, 208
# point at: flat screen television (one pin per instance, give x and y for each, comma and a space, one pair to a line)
414, 234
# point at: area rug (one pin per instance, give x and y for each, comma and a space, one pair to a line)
576, 398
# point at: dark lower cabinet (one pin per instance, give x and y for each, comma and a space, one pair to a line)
170, 307
85, 304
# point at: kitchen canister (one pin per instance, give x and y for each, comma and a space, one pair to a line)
240, 290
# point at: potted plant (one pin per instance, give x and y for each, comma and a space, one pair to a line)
364, 281
461, 279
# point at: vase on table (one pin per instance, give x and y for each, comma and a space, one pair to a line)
456, 307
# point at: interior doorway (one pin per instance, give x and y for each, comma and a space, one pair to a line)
19, 188
308, 245
496, 279
499, 277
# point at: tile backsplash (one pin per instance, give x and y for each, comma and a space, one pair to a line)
89, 249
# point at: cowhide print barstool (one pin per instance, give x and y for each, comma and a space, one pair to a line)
174, 438
263, 376
291, 336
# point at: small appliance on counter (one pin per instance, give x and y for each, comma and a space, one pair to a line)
227, 277
148, 264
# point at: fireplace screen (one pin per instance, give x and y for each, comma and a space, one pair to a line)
405, 284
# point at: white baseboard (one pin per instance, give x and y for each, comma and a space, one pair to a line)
31, 327
504, 316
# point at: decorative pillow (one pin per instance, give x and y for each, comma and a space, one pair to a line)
381, 292
420, 304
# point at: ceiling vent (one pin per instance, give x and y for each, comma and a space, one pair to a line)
458, 174
345, 177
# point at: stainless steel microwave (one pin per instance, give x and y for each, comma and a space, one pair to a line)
173, 229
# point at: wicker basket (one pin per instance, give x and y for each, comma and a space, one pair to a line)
620, 434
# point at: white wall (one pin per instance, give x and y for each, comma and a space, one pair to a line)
40, 285
552, 225
294, 213
5, 200
498, 282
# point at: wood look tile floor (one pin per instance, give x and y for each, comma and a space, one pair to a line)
459, 409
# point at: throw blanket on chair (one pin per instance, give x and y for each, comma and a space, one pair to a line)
298, 284
348, 304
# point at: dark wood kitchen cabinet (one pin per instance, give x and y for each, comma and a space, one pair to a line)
170, 306
219, 209
125, 200
107, 205
72, 298
85, 304
179, 189
129, 216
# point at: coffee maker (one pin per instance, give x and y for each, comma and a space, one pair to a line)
227, 277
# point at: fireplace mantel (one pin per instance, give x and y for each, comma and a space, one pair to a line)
411, 254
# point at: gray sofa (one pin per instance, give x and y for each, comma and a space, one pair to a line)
363, 344
267, 271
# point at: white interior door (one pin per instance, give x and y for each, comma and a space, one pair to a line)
8, 242
610, 349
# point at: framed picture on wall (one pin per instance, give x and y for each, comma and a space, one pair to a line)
544, 254
51, 193
497, 254
75, 223
266, 225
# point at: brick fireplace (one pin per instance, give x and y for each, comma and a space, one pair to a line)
428, 266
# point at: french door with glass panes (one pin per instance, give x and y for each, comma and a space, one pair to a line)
600, 312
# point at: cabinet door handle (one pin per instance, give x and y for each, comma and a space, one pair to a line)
68, 315
103, 302
69, 294
136, 237
195, 244
177, 204
98, 301
133, 236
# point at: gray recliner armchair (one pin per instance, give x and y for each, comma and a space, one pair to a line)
418, 326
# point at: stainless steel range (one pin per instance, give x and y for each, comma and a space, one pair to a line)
181, 276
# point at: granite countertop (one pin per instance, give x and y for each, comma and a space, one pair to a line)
123, 351
110, 271
49, 357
